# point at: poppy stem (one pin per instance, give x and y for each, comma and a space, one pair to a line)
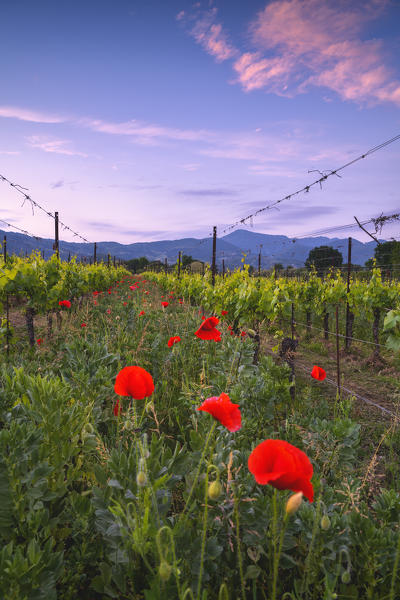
203, 535
198, 469
239, 546
277, 555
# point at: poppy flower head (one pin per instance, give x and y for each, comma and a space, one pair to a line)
283, 466
135, 382
164, 304
318, 373
141, 313
224, 312
117, 408
65, 303
173, 340
83, 324
39, 341
95, 302
208, 331
108, 311
222, 409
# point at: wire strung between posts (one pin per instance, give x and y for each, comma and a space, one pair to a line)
33, 203
351, 392
349, 337
21, 230
306, 188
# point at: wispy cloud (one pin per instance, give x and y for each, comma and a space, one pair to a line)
318, 43
9, 152
54, 146
145, 133
209, 192
202, 25
26, 114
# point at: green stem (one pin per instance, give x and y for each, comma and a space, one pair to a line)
395, 568
304, 583
239, 547
277, 556
203, 536
198, 469
274, 545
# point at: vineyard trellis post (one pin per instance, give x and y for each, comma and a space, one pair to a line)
108, 260
337, 350
349, 316
214, 252
179, 263
114, 262
56, 239
259, 261
166, 265
223, 268
95, 253
7, 302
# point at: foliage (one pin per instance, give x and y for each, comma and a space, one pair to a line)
324, 257
96, 506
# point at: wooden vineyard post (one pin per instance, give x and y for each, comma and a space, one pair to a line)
7, 302
259, 261
337, 351
114, 262
95, 253
349, 315
223, 268
56, 240
202, 269
179, 264
166, 265
108, 260
214, 252
292, 321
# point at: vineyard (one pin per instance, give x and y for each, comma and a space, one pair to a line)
151, 448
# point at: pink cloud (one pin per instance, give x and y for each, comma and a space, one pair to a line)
317, 43
209, 34
145, 133
23, 114
53, 146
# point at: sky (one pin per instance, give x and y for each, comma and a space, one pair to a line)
142, 121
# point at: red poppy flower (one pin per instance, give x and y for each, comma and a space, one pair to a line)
117, 408
141, 313
207, 330
173, 340
39, 341
83, 324
109, 291
180, 301
95, 293
124, 303
108, 311
224, 312
222, 409
283, 466
146, 292
242, 334
135, 382
132, 287
164, 304
95, 302
318, 373
65, 303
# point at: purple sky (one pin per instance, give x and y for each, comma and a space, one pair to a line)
158, 120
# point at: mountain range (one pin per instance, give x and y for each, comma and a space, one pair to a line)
231, 247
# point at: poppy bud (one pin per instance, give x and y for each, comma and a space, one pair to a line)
215, 490
325, 522
294, 502
164, 570
141, 479
346, 577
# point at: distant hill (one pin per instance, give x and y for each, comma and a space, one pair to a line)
275, 248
